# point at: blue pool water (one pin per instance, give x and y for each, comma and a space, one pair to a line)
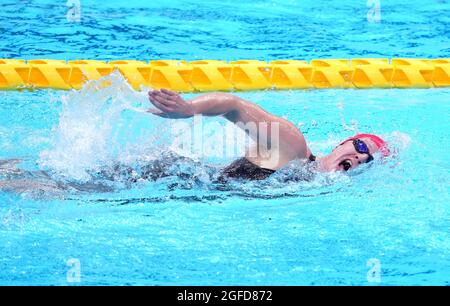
184, 231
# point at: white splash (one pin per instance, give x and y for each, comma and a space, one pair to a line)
102, 122
400, 141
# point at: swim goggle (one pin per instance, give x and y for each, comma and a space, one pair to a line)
360, 147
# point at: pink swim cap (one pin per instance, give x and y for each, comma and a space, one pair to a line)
380, 143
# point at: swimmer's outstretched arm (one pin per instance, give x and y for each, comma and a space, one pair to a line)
174, 106
233, 108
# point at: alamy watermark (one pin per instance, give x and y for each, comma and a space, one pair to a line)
74, 273
374, 13
74, 11
259, 140
374, 273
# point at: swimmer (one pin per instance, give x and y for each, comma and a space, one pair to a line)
270, 157
275, 149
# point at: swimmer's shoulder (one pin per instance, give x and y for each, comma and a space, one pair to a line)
292, 140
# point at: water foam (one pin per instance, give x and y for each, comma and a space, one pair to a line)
98, 124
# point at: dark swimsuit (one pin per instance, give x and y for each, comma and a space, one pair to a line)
244, 169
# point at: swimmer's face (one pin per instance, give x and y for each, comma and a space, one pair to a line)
346, 157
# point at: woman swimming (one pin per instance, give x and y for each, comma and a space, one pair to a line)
278, 141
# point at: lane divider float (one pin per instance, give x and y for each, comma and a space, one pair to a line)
216, 75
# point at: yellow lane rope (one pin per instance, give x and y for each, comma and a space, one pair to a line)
215, 75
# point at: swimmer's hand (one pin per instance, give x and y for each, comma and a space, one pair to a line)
170, 104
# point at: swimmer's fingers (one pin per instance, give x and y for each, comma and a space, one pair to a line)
159, 103
157, 94
169, 92
171, 98
162, 107
164, 98
173, 101
164, 92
